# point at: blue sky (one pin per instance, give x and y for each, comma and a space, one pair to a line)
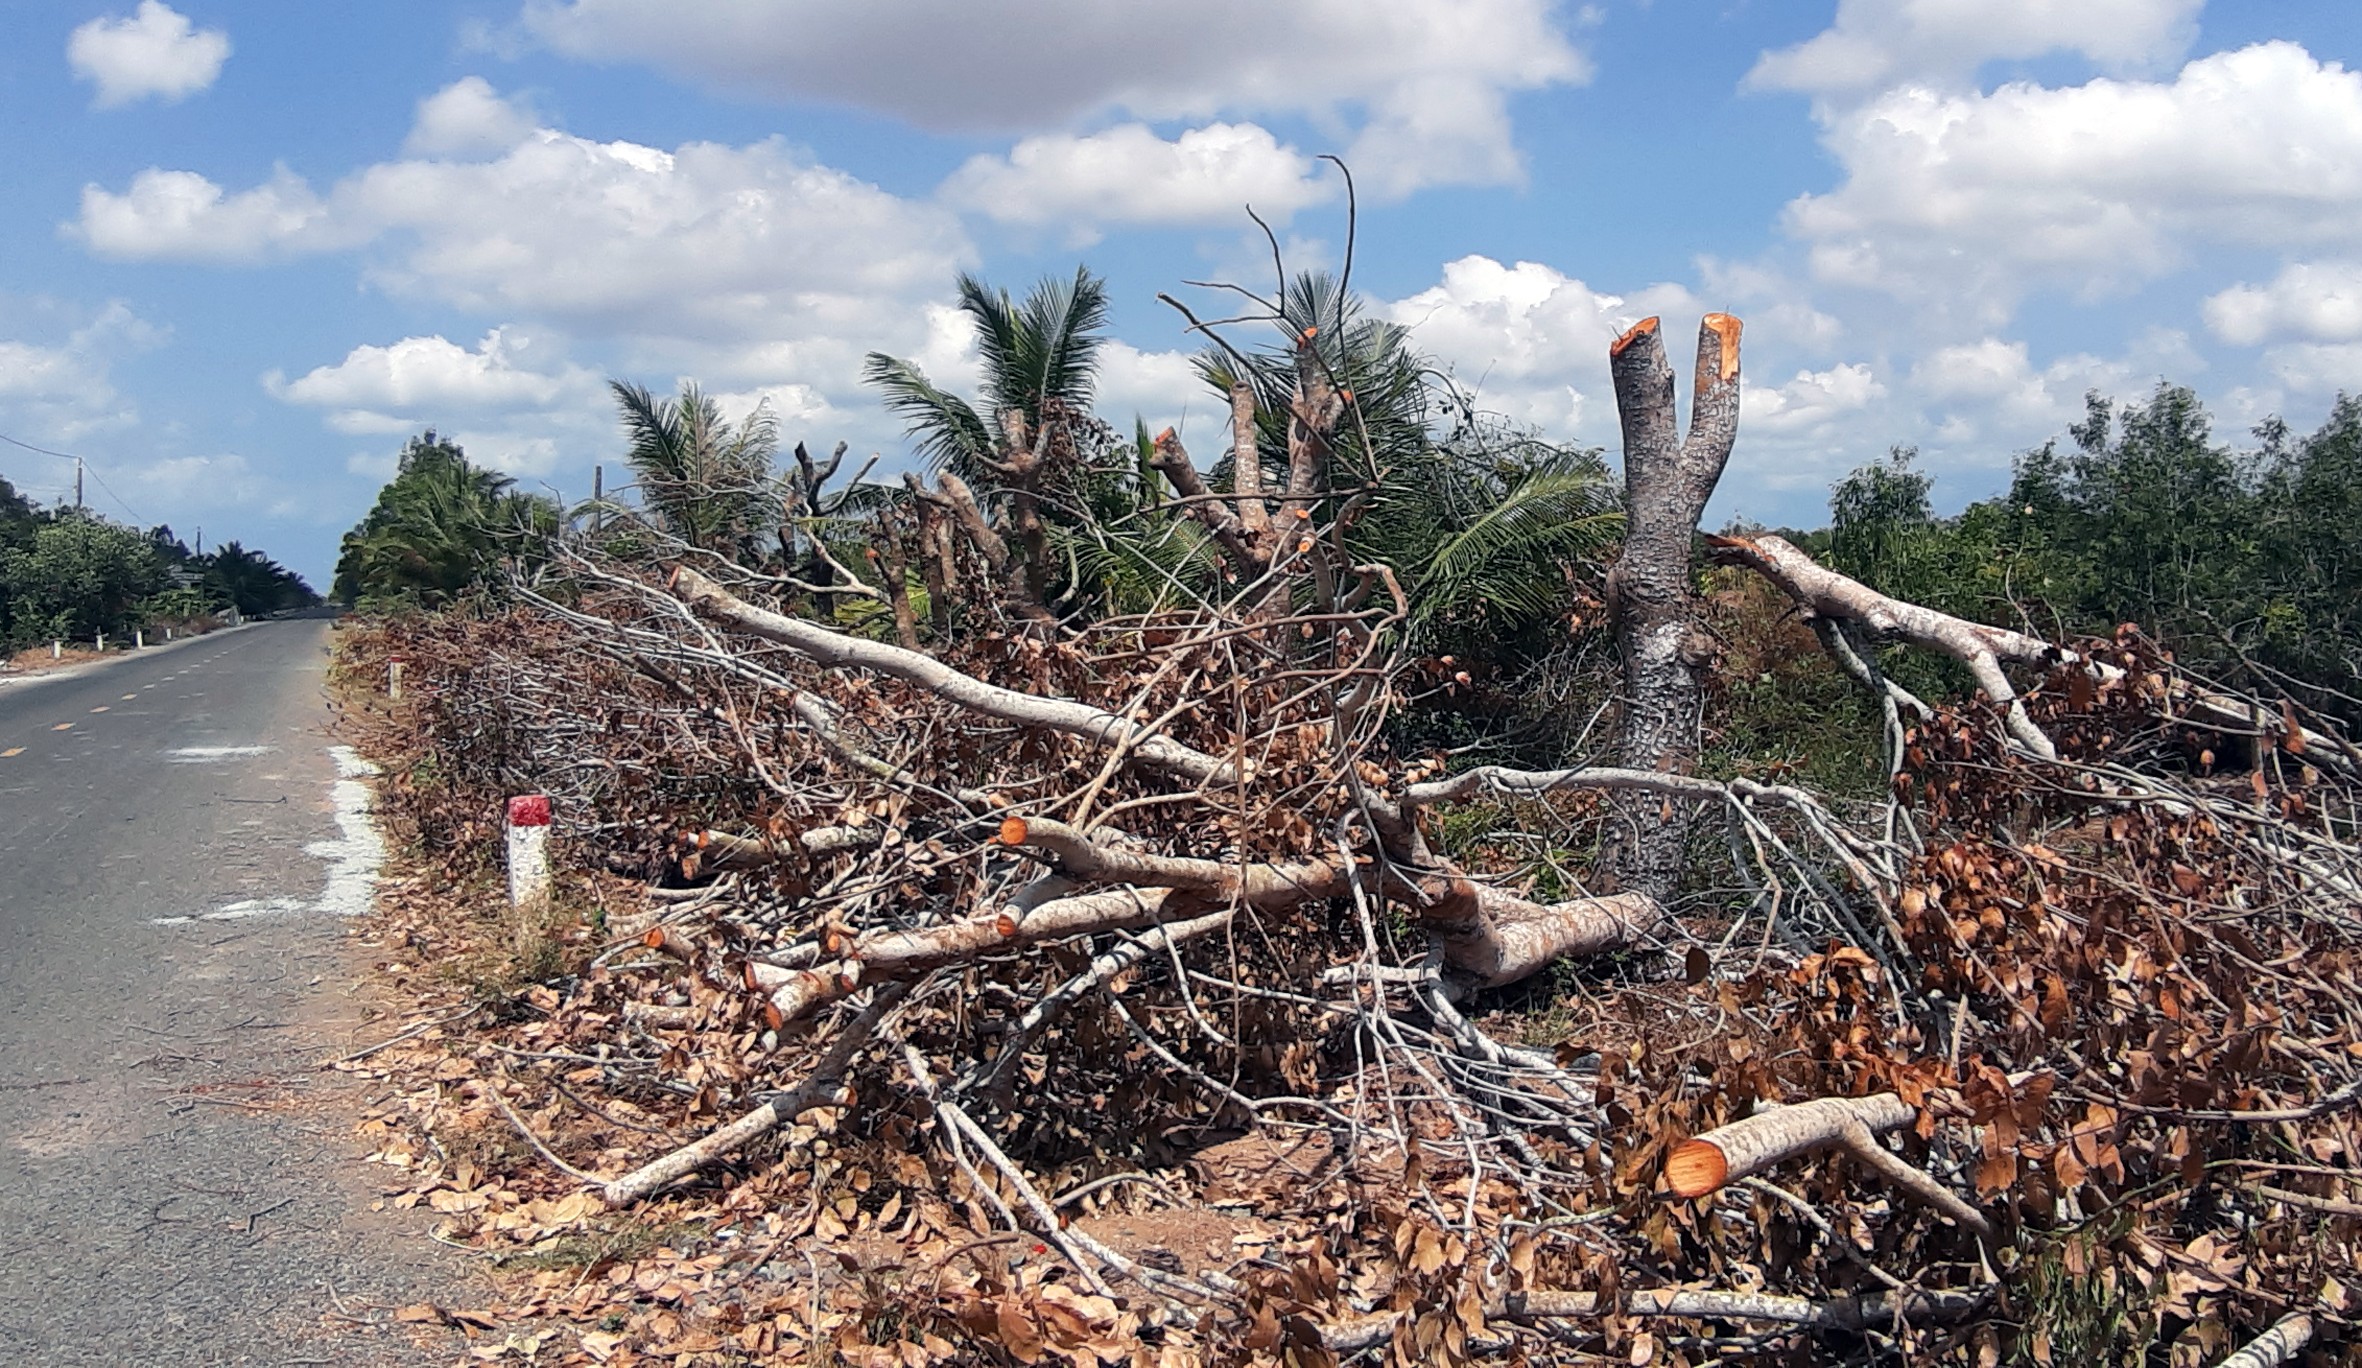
247, 248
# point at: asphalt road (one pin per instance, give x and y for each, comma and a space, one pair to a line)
175, 1176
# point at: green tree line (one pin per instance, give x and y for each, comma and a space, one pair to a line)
2247, 563
68, 574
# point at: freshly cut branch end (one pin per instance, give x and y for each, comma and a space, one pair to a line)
1741, 1149
1631, 335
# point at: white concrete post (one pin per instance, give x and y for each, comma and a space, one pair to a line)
168, 634
528, 865
139, 639
393, 680
102, 643
57, 649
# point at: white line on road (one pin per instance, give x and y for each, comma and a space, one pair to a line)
353, 857
201, 755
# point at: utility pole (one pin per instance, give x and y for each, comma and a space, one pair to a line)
77, 482
598, 496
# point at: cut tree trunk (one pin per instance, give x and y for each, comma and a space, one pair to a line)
1667, 481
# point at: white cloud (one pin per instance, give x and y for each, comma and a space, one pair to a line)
1530, 340
1879, 44
1991, 386
1161, 389
2317, 368
1810, 401
61, 389
1428, 79
705, 242
180, 215
1129, 175
1972, 197
189, 484
467, 117
2320, 301
430, 375
154, 52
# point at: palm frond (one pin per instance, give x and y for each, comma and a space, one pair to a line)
947, 432
1508, 561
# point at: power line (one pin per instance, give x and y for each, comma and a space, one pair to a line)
63, 456
102, 483
84, 463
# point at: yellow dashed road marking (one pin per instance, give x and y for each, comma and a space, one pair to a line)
100, 708
12, 750
128, 697
63, 726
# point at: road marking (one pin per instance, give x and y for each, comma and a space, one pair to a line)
353, 857
101, 708
201, 755
128, 697
63, 726
12, 750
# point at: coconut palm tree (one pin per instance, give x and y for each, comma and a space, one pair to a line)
704, 479
1040, 361
442, 526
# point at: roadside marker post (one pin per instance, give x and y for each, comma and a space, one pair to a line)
139, 639
528, 864
57, 650
393, 679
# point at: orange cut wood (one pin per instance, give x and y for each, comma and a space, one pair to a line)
1013, 831
1696, 1168
1631, 335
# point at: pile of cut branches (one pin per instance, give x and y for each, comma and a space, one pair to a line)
1104, 987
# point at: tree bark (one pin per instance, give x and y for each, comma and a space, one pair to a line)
1667, 481
1205, 506
2284, 1341
1246, 460
937, 567
897, 577
1494, 938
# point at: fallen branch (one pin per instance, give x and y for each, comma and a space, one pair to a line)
1705, 1163
816, 1089
2275, 1346
1493, 938
1825, 593
1842, 1313
825, 646
905, 954
720, 850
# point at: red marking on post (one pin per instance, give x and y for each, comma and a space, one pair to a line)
529, 809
